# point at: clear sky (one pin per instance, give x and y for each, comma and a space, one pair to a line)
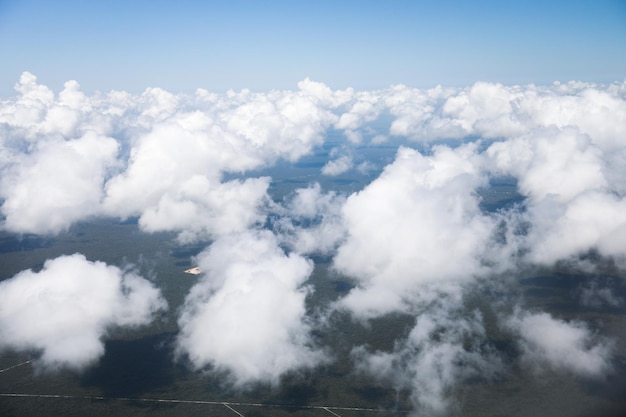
218, 45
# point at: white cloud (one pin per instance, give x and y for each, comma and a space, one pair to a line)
167, 144
415, 231
574, 203
64, 311
34, 100
58, 183
153, 148
569, 346
495, 111
596, 111
485, 109
247, 314
198, 210
594, 220
337, 166
364, 107
561, 163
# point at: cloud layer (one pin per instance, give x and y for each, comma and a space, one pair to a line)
416, 240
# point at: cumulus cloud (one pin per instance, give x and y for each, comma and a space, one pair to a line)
573, 204
65, 310
414, 232
495, 111
247, 314
58, 183
124, 155
337, 166
569, 346
363, 107
591, 221
197, 209
552, 162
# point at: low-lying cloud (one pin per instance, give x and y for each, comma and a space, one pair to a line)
405, 228
571, 346
444, 348
247, 314
63, 312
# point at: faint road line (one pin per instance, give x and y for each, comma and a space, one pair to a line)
233, 410
14, 366
228, 404
331, 412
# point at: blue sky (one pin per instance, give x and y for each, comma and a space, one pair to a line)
219, 45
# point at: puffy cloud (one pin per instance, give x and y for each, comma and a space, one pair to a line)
198, 209
161, 160
173, 179
364, 107
569, 346
33, 103
173, 183
414, 232
597, 111
64, 311
405, 232
496, 111
574, 203
415, 113
592, 221
337, 166
247, 314
488, 110
58, 183
561, 163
